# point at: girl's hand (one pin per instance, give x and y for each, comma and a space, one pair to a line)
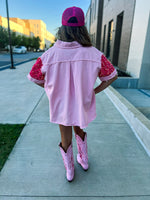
41, 85
104, 85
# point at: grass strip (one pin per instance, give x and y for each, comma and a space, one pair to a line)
9, 134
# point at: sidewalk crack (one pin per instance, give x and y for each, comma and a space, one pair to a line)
34, 108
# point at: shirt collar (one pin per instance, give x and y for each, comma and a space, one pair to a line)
70, 45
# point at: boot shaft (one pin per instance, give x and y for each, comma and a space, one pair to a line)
82, 146
68, 161
82, 156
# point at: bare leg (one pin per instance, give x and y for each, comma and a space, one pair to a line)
66, 136
79, 132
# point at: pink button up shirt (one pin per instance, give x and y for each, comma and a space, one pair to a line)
69, 72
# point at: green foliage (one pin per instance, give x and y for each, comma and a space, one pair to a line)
3, 37
18, 40
24, 41
32, 42
9, 134
52, 44
21, 40
13, 39
36, 42
29, 42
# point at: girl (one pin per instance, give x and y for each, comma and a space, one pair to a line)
68, 72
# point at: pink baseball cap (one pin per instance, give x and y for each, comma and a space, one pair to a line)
73, 12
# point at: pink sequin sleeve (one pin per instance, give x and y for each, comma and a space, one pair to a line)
35, 74
107, 70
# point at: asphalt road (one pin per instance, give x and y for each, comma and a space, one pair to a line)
18, 58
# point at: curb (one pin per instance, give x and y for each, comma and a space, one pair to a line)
136, 120
15, 64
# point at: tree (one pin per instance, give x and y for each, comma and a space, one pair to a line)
24, 40
36, 42
18, 39
21, 40
29, 42
3, 37
53, 42
13, 38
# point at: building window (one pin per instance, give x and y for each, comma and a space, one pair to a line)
117, 41
109, 40
104, 36
95, 11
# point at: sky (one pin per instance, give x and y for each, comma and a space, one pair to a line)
50, 11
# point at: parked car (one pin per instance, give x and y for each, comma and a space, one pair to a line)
40, 50
20, 49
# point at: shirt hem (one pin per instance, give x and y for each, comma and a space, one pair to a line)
73, 124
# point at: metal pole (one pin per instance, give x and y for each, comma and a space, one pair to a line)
11, 55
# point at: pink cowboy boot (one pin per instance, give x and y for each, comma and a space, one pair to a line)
68, 161
82, 156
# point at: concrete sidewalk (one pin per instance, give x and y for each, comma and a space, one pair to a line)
119, 166
18, 96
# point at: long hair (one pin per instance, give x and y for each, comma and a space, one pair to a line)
74, 33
